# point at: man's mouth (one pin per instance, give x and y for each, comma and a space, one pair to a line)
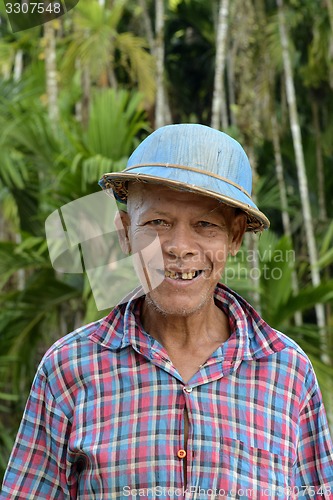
181, 276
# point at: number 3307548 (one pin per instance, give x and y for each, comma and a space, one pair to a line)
33, 7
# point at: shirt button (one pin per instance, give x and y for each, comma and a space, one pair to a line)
188, 389
181, 454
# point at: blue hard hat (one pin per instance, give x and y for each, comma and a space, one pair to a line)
196, 158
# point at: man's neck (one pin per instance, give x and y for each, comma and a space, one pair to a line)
188, 340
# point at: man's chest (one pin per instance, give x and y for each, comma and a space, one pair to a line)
130, 429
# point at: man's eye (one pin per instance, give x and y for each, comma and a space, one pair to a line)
158, 222
204, 223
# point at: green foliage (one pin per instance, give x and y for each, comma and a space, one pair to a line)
190, 59
116, 118
115, 121
326, 249
96, 44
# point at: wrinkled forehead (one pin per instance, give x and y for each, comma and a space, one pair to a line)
153, 195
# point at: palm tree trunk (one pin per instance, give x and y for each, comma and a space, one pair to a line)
112, 77
147, 25
251, 242
320, 162
159, 54
18, 65
280, 177
321, 183
329, 4
284, 203
224, 109
231, 81
162, 102
51, 72
17, 73
86, 88
301, 171
221, 42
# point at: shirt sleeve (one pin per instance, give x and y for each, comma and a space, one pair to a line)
37, 466
314, 472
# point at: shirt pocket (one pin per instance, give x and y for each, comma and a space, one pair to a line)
249, 472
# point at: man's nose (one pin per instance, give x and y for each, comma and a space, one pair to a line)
181, 241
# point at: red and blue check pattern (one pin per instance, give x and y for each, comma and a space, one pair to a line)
105, 417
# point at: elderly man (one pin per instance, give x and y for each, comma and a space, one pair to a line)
184, 392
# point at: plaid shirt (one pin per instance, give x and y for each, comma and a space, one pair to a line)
105, 417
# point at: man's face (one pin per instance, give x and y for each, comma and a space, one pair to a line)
196, 235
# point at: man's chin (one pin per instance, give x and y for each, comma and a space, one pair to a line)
176, 306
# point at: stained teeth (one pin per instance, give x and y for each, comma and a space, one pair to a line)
183, 276
170, 274
188, 276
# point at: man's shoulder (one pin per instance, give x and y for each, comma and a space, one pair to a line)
73, 340
261, 340
292, 349
86, 341
296, 362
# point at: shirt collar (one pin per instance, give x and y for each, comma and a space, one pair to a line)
251, 337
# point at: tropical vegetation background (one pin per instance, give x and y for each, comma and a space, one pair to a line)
77, 95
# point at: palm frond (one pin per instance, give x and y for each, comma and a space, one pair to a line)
115, 119
138, 62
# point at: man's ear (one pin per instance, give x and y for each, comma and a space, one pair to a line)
237, 231
122, 222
